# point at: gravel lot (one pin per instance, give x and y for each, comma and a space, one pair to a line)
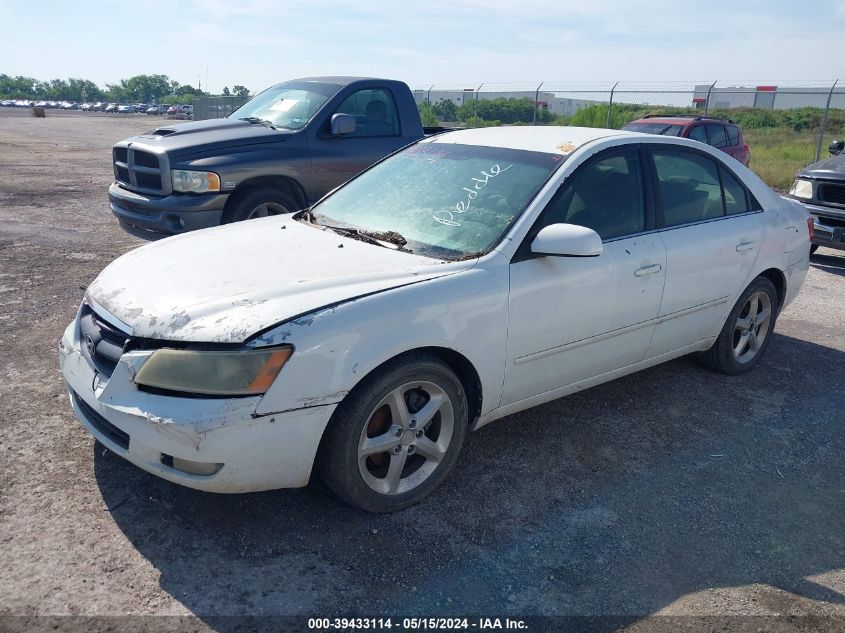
676, 491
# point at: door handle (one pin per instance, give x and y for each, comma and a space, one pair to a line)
648, 270
744, 246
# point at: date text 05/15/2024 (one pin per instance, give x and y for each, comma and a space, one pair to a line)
417, 624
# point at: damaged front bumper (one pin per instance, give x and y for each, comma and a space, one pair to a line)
176, 438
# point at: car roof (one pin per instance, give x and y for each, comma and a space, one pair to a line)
552, 139
341, 80
681, 119
668, 120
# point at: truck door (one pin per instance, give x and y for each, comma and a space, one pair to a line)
337, 158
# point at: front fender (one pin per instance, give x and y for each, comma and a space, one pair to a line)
336, 348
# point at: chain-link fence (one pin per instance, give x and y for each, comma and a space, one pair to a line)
217, 107
786, 125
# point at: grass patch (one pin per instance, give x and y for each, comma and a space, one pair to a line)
778, 154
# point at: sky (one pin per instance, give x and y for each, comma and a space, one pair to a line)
460, 43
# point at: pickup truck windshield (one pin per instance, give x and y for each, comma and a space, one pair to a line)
288, 106
446, 200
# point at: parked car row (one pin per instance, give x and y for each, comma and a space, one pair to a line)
469, 275
181, 111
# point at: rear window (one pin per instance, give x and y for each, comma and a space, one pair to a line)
664, 129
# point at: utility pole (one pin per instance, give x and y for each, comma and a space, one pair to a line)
536, 96
824, 120
610, 104
707, 101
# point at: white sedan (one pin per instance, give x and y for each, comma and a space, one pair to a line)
465, 278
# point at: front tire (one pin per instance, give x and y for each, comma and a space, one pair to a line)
395, 437
748, 330
259, 203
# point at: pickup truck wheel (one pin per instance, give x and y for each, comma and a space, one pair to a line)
396, 436
259, 203
748, 330
813, 248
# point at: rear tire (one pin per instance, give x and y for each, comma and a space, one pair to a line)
748, 330
396, 436
813, 248
261, 202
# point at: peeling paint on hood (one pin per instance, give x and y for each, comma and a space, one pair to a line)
224, 284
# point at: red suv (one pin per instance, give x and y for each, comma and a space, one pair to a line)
721, 133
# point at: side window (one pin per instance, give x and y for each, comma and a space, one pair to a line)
689, 187
716, 134
374, 111
733, 135
697, 133
736, 198
605, 195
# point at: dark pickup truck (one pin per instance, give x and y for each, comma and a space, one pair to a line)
279, 153
821, 189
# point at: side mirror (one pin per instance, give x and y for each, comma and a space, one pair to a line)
567, 240
836, 147
343, 124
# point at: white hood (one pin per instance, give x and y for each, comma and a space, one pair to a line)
227, 283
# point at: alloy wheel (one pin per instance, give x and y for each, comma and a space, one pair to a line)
405, 438
752, 327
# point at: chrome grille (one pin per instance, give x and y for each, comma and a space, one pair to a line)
139, 170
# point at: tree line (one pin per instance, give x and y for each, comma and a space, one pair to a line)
137, 89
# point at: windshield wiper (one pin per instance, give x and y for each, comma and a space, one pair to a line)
307, 215
373, 237
255, 119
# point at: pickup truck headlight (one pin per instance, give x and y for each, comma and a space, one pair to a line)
194, 181
214, 373
802, 189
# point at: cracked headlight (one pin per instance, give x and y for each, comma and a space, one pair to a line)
213, 373
194, 181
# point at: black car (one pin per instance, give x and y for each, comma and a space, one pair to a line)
821, 189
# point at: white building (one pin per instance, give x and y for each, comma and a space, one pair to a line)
768, 97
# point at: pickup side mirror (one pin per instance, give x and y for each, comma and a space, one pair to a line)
836, 147
567, 240
343, 124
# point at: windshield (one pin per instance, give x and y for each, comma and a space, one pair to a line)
288, 106
664, 129
446, 200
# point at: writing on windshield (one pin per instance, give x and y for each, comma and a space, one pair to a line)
447, 200
448, 217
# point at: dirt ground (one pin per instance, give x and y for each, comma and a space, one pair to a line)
673, 492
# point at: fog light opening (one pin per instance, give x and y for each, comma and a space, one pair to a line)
175, 222
204, 469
